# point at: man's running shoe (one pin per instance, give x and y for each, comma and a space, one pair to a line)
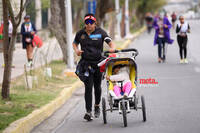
96, 111
88, 116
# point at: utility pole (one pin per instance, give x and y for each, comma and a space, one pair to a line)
118, 18
127, 18
68, 19
38, 7
85, 6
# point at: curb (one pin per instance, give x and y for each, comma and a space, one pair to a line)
26, 124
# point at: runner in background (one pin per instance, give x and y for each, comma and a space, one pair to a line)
149, 21
174, 18
162, 35
28, 30
182, 29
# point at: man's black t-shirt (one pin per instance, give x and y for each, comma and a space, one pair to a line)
92, 44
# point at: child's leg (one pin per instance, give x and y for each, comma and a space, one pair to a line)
127, 88
117, 90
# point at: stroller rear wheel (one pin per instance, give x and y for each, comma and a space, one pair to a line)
104, 110
135, 102
111, 103
143, 108
123, 106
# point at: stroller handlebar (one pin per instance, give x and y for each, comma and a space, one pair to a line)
135, 51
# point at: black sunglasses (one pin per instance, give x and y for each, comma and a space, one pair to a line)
89, 21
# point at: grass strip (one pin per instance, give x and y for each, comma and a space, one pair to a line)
23, 101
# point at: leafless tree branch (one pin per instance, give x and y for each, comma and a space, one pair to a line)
11, 12
22, 8
19, 16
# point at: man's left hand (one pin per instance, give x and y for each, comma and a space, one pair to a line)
112, 47
111, 50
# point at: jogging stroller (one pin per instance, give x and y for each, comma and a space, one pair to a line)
124, 104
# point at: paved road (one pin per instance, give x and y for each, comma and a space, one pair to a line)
172, 106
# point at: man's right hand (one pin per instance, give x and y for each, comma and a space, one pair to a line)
107, 77
79, 52
112, 50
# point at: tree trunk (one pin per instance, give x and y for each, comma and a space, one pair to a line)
8, 59
60, 36
8, 48
62, 15
103, 7
133, 17
141, 19
57, 25
97, 15
7, 73
112, 25
77, 20
123, 22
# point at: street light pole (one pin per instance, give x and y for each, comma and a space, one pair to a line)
38, 7
127, 18
68, 19
118, 18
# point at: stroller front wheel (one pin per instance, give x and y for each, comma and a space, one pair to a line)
104, 110
123, 107
143, 108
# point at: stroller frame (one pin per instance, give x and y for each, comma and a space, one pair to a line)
125, 104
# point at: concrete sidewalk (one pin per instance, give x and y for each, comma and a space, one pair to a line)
49, 51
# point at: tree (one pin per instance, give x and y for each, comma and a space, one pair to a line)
122, 24
57, 25
45, 4
34, 10
77, 9
8, 46
103, 8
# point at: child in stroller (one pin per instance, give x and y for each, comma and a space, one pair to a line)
121, 80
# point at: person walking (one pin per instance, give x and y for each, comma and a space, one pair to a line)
149, 21
182, 29
10, 30
174, 18
162, 35
28, 30
91, 39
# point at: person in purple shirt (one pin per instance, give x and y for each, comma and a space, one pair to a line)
162, 35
